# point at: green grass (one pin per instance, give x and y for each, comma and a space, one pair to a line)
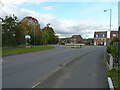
0, 51
23, 50
115, 75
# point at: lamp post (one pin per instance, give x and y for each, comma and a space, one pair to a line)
34, 33
110, 20
110, 16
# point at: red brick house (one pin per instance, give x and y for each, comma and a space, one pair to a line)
113, 34
76, 38
31, 20
100, 38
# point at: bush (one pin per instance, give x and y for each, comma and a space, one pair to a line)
114, 39
113, 50
108, 49
79, 42
87, 43
115, 75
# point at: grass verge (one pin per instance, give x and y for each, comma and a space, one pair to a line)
24, 50
115, 75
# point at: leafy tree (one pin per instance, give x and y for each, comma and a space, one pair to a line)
49, 36
9, 25
19, 35
14, 32
45, 36
114, 39
108, 49
113, 50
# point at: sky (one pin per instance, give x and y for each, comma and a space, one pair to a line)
67, 17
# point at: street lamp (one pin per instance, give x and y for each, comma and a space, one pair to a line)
110, 19
110, 16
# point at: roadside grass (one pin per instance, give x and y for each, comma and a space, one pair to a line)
24, 50
115, 75
0, 51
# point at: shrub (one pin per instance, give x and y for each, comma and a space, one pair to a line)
113, 50
108, 49
114, 39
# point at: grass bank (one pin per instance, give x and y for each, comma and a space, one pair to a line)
115, 75
24, 50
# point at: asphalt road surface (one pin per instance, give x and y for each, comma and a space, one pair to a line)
86, 68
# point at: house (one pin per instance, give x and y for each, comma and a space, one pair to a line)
89, 41
100, 38
65, 40
113, 34
31, 20
76, 39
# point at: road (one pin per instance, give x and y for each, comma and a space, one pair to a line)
86, 68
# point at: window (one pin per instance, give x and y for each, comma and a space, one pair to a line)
30, 21
96, 35
103, 35
114, 35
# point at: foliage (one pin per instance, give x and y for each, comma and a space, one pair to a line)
108, 49
113, 50
79, 42
115, 75
87, 43
114, 39
13, 33
49, 36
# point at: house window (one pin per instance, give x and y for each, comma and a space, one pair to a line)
103, 35
114, 35
96, 35
30, 21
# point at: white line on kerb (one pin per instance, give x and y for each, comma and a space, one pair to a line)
110, 84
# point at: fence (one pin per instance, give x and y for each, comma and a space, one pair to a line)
112, 62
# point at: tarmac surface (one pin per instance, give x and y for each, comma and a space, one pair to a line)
84, 68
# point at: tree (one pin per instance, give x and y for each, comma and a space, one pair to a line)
45, 36
9, 25
114, 39
49, 36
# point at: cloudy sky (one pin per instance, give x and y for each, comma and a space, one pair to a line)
67, 17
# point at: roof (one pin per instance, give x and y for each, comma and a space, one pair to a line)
114, 31
76, 36
101, 32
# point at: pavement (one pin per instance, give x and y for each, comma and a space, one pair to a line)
30, 69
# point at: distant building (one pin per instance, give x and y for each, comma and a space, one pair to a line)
100, 38
119, 33
89, 41
65, 40
76, 39
113, 34
31, 20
